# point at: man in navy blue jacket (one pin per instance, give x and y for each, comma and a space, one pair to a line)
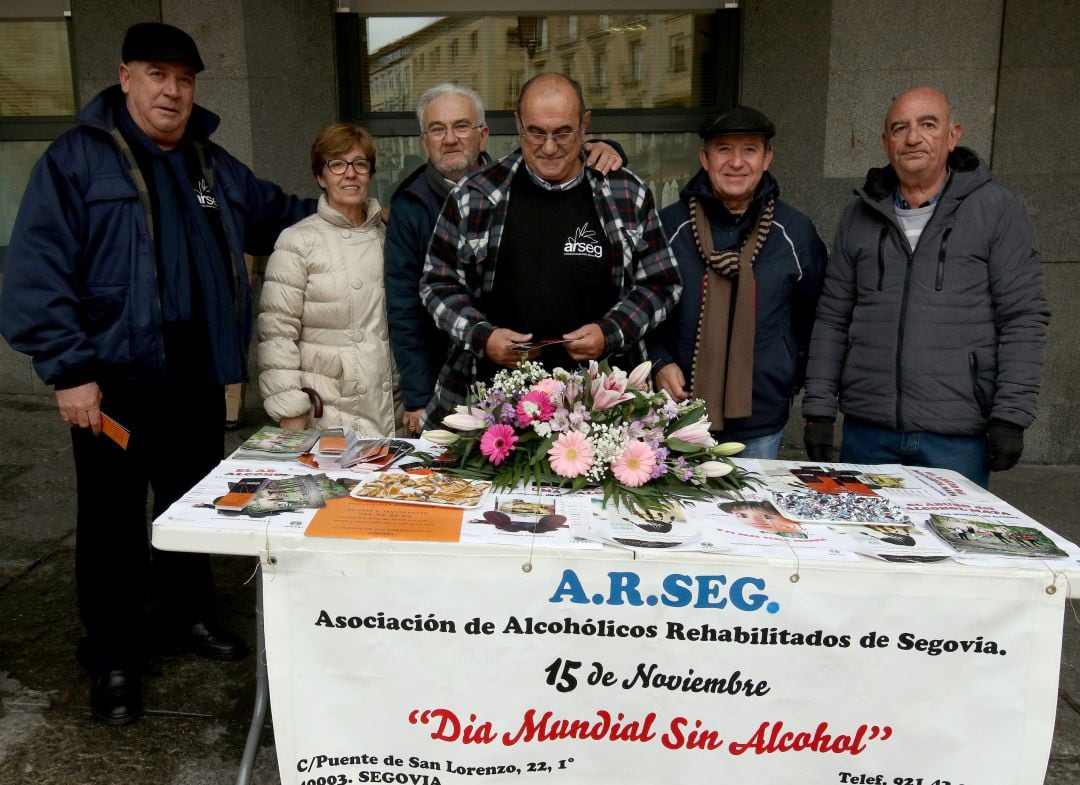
752, 269
125, 282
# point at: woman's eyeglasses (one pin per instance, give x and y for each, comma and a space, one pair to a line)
339, 165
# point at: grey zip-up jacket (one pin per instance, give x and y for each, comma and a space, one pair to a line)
941, 338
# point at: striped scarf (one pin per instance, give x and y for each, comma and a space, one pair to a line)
724, 356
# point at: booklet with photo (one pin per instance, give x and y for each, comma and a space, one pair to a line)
283, 495
971, 535
276, 444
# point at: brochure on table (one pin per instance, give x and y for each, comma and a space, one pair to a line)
948, 518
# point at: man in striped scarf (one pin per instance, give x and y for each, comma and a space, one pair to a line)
752, 267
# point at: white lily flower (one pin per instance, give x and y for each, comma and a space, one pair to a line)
440, 437
695, 433
639, 377
726, 449
715, 468
462, 421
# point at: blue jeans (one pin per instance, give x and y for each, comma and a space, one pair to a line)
866, 443
762, 446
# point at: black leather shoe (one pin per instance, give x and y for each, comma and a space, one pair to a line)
116, 697
212, 642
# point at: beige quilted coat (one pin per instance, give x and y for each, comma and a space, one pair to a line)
322, 324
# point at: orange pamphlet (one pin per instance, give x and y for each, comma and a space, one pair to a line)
115, 431
370, 520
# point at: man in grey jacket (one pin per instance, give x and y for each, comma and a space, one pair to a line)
931, 326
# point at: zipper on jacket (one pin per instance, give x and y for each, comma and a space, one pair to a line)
900, 330
940, 281
881, 257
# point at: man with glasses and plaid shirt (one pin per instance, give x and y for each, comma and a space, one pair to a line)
581, 258
454, 135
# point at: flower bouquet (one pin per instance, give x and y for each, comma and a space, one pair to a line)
596, 426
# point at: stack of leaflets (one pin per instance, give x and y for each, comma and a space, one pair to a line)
334, 443
276, 444
340, 448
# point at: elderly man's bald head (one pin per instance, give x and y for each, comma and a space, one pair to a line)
919, 135
546, 83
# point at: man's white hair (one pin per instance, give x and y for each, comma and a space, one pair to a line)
449, 88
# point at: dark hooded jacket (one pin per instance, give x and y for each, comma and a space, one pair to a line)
81, 281
942, 337
788, 274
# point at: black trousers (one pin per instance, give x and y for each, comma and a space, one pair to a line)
177, 436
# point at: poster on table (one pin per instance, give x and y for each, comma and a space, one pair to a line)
599, 668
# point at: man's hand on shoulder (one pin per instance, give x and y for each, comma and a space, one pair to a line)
586, 342
672, 379
602, 157
80, 407
499, 347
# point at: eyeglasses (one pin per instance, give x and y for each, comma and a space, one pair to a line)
437, 132
538, 138
339, 165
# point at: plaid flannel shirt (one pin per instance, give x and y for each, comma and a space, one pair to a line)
460, 269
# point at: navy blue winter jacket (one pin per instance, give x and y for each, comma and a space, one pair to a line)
788, 275
419, 346
81, 281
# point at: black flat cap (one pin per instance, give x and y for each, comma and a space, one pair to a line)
738, 120
161, 43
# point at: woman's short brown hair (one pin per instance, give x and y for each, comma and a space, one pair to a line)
336, 140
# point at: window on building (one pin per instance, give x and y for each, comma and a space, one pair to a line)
670, 67
37, 104
599, 71
677, 54
634, 73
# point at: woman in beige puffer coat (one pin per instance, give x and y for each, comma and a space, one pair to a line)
322, 320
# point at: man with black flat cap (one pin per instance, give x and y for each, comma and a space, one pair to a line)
752, 268
125, 282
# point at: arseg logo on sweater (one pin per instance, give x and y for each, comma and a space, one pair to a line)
205, 195
583, 243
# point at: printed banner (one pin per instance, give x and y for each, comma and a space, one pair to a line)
413, 667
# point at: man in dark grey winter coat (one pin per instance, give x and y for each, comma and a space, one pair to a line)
931, 327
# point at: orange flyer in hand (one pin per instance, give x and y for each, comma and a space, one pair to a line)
115, 431
373, 520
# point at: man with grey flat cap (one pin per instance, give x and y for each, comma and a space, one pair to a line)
125, 282
752, 269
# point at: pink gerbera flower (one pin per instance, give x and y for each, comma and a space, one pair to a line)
571, 455
534, 405
634, 465
498, 442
